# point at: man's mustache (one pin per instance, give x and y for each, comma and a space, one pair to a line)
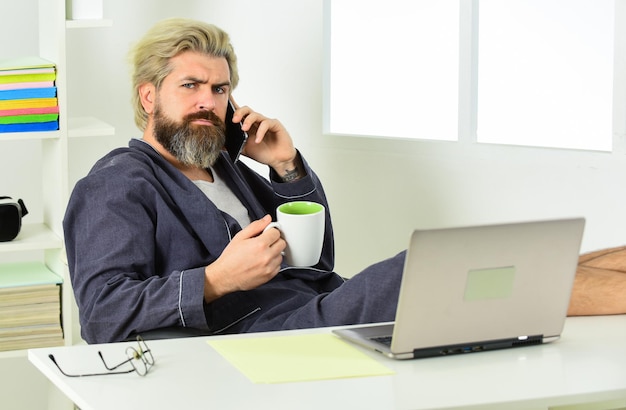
205, 115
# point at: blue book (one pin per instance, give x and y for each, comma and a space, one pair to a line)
24, 93
31, 126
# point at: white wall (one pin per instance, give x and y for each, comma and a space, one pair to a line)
378, 189
24, 163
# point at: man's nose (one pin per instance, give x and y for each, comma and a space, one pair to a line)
206, 101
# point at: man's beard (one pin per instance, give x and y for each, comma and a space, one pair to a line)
191, 144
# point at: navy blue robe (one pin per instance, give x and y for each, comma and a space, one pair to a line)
138, 235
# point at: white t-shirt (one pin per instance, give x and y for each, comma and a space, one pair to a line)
219, 193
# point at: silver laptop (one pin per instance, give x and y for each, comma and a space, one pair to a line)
478, 288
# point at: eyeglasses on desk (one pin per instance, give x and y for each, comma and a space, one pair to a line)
140, 359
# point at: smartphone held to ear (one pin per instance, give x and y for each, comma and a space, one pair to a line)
235, 137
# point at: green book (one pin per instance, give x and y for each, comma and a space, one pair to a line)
24, 119
26, 62
27, 78
26, 274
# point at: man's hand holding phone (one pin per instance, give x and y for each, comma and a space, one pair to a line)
270, 142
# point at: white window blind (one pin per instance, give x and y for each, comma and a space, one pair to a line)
394, 68
545, 73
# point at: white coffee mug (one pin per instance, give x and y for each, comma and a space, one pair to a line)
301, 224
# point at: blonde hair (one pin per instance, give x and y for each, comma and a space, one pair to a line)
150, 57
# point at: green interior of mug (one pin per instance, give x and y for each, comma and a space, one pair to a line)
300, 208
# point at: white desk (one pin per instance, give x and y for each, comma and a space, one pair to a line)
588, 364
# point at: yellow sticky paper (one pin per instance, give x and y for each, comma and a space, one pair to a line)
283, 359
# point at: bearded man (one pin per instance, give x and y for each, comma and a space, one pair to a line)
166, 237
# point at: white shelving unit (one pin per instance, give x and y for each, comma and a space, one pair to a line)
45, 239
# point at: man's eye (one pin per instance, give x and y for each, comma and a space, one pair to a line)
189, 85
220, 90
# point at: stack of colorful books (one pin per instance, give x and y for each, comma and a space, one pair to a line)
28, 96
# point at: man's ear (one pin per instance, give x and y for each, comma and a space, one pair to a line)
147, 96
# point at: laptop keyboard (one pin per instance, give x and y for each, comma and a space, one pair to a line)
385, 340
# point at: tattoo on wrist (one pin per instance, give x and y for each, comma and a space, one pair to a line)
291, 175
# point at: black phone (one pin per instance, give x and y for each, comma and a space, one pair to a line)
235, 137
